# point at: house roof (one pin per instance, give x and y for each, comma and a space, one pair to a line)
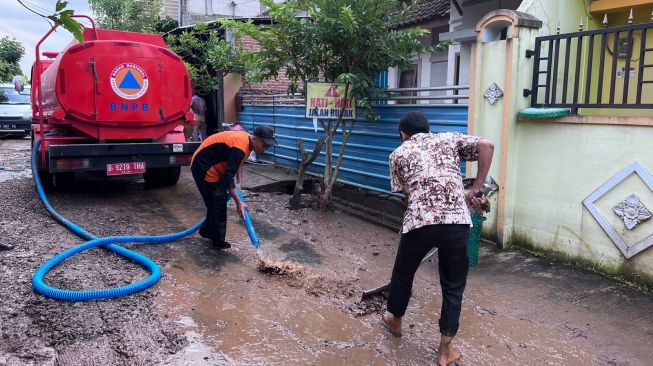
426, 10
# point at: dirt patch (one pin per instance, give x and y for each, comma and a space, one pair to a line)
13, 164
301, 251
375, 304
342, 293
35, 330
320, 286
281, 268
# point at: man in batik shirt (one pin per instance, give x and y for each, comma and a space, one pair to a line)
426, 168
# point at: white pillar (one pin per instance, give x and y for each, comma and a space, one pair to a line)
425, 76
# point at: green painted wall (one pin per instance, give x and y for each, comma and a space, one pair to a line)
559, 165
553, 167
490, 127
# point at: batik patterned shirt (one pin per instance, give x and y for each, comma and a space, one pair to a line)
426, 168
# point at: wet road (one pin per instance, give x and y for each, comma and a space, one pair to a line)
215, 308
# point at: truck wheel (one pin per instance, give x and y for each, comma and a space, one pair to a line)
171, 175
153, 177
64, 181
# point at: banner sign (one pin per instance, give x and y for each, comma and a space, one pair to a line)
325, 100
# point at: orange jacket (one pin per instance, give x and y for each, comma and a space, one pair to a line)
220, 156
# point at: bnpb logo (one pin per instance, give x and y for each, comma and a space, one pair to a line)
129, 81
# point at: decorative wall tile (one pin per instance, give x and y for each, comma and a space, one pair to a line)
493, 93
632, 211
628, 209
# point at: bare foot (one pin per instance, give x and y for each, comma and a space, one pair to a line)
446, 353
393, 323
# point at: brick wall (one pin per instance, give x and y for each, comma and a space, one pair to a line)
279, 85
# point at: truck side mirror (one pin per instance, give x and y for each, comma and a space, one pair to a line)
18, 83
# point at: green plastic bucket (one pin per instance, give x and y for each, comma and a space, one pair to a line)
475, 238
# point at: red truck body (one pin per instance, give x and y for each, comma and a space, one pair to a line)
116, 103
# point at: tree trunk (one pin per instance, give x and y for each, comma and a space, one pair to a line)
328, 185
296, 199
329, 154
330, 174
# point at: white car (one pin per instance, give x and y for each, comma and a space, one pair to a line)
15, 111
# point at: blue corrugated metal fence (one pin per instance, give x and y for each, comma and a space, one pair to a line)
365, 163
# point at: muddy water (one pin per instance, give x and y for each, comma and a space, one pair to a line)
313, 315
255, 318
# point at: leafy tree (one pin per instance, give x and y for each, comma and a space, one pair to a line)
207, 57
8, 71
11, 51
10, 54
344, 41
127, 15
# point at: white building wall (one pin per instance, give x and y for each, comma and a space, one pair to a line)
431, 71
208, 10
472, 14
240, 8
465, 59
171, 9
424, 69
393, 80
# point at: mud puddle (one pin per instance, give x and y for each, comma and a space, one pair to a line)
303, 304
270, 312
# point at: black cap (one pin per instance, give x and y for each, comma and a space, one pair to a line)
266, 133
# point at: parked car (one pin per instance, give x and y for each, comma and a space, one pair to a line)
15, 111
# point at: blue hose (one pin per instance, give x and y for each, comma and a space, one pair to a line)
110, 244
253, 237
93, 241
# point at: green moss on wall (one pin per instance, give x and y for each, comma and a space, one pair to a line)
623, 272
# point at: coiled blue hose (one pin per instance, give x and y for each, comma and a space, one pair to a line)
108, 243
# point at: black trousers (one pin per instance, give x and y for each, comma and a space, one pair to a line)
453, 265
215, 200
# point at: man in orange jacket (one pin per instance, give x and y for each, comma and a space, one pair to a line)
214, 165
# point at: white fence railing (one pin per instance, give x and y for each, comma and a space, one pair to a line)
446, 94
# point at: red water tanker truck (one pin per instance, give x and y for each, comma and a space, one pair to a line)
115, 105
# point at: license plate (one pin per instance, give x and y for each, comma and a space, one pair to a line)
8, 127
126, 168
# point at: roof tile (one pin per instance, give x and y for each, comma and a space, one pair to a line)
426, 10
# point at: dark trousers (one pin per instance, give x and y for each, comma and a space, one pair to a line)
453, 264
215, 200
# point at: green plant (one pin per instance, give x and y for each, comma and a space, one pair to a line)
207, 57
343, 41
11, 52
127, 15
